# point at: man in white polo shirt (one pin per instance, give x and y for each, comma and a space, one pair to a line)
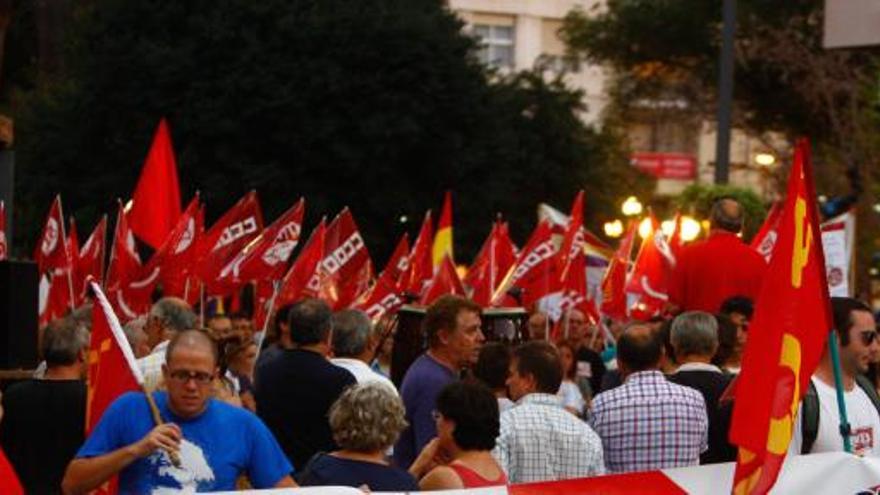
354, 346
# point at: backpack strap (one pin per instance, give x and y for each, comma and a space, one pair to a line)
810, 418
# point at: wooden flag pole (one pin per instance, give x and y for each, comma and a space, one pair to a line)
157, 419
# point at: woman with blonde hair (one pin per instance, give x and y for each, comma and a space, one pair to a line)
366, 421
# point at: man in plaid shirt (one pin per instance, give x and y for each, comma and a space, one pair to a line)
648, 423
539, 440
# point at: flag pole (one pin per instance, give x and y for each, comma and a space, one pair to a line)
67, 256
276, 288
838, 386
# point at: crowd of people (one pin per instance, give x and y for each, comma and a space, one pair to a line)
315, 405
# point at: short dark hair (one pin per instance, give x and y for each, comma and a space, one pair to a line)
474, 410
63, 340
443, 314
541, 360
738, 304
190, 335
727, 214
493, 364
309, 321
726, 340
352, 330
841, 310
639, 350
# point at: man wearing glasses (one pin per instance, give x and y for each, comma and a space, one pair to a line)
818, 428
214, 442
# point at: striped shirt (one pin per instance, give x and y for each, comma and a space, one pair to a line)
541, 441
649, 423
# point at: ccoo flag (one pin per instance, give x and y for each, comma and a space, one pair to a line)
786, 337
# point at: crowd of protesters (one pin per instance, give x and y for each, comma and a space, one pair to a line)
315, 405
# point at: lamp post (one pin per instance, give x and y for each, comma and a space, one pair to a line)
631, 207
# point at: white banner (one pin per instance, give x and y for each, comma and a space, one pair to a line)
838, 238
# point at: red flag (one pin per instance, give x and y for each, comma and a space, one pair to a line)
125, 269
573, 240
420, 268
534, 272
298, 282
573, 295
266, 257
346, 263
495, 258
52, 250
384, 296
90, 262
765, 239
235, 229
614, 282
786, 338
9, 483
177, 255
442, 245
73, 241
4, 248
54, 297
156, 199
445, 281
651, 274
675, 241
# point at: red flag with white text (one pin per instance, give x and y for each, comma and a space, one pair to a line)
384, 296
297, 283
177, 255
765, 239
229, 235
125, 268
534, 274
346, 265
52, 250
650, 277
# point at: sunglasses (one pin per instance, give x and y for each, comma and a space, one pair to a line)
868, 337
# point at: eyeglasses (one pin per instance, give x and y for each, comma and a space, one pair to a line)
183, 376
868, 337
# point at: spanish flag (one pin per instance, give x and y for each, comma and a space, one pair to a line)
786, 337
443, 237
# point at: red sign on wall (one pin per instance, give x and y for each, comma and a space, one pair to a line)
680, 166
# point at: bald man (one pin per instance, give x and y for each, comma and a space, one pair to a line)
214, 441
648, 423
708, 272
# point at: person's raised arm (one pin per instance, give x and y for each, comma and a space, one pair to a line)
87, 473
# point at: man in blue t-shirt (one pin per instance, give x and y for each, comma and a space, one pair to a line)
215, 442
452, 328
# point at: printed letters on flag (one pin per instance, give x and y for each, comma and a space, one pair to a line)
346, 265
534, 273
229, 235
787, 336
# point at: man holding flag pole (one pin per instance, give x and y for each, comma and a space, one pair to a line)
183, 440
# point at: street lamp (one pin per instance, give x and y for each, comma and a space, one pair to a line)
645, 227
765, 159
631, 207
690, 229
613, 229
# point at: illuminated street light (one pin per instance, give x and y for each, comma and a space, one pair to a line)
631, 207
667, 226
613, 229
765, 159
645, 227
690, 229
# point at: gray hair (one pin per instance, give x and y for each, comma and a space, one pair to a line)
63, 341
694, 333
134, 331
367, 418
175, 314
310, 321
351, 332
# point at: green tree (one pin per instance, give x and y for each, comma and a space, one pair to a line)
697, 200
380, 105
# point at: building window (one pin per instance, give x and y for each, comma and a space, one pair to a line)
496, 45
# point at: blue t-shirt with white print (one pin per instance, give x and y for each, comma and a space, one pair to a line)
218, 445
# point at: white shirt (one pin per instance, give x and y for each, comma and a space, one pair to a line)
863, 419
151, 366
571, 396
362, 372
541, 441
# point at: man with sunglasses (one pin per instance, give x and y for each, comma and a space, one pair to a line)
818, 428
214, 442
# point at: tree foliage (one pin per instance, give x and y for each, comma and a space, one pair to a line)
377, 104
697, 200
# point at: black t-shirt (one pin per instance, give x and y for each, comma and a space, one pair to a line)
711, 385
294, 392
41, 430
589, 362
330, 470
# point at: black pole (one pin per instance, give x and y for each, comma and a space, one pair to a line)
725, 94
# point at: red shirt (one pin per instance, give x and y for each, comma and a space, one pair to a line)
472, 479
708, 272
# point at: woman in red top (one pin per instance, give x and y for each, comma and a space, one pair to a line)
461, 455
